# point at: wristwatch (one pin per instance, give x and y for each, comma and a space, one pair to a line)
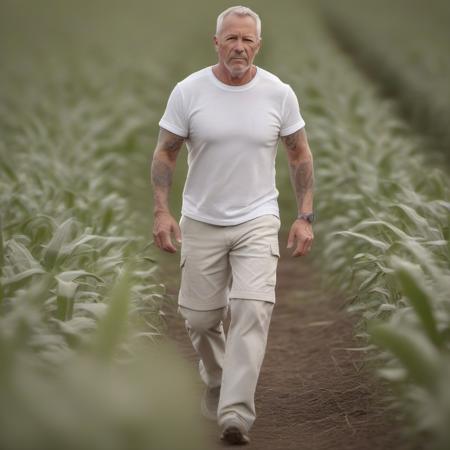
309, 217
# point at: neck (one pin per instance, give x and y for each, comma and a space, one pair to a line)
224, 75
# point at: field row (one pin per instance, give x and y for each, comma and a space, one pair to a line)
383, 228
405, 45
78, 122
80, 302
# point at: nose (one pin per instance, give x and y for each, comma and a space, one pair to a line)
239, 47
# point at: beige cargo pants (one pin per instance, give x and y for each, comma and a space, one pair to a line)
229, 268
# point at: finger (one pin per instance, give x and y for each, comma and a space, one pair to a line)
303, 247
307, 247
299, 249
156, 240
166, 243
290, 241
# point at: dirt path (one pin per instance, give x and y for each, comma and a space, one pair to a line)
312, 392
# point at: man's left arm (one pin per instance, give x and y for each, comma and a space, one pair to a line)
301, 171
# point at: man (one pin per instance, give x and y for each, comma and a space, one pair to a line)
231, 117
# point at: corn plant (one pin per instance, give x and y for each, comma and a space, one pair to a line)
75, 137
405, 45
112, 393
382, 236
83, 365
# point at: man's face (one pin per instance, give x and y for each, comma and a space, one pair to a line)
237, 44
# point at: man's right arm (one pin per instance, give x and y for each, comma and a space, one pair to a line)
162, 168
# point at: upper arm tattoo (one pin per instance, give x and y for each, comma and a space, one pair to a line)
170, 143
291, 140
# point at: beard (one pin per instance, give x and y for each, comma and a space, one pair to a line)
238, 71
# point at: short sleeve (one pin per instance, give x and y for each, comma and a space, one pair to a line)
174, 117
291, 119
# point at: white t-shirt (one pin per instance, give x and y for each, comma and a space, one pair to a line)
232, 134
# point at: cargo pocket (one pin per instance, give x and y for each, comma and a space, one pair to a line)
182, 261
274, 249
275, 252
184, 283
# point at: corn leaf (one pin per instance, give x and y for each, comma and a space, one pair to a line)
72, 275
112, 326
411, 281
416, 354
53, 248
22, 276
383, 246
66, 291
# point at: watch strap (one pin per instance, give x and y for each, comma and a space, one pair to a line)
309, 217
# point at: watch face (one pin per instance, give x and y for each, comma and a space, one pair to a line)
308, 217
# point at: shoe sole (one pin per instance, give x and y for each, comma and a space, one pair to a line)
234, 436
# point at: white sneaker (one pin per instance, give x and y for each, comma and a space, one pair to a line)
234, 433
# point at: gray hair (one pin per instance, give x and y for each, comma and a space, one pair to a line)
239, 11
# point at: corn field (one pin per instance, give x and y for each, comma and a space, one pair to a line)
406, 46
80, 302
390, 245
84, 362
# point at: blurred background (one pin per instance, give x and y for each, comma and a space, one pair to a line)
84, 360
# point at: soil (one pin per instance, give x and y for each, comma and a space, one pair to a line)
314, 392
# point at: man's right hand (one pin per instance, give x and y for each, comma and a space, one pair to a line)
164, 225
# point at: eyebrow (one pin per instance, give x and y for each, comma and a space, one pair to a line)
245, 36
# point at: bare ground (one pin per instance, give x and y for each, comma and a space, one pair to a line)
313, 392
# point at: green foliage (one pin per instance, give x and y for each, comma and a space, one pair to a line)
418, 356
83, 365
53, 397
405, 45
382, 235
412, 285
113, 325
79, 296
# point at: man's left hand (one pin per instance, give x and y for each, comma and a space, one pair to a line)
301, 233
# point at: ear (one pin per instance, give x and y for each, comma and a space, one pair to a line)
216, 43
259, 46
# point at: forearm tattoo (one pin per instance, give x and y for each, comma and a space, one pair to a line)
166, 153
300, 167
302, 178
161, 174
163, 166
